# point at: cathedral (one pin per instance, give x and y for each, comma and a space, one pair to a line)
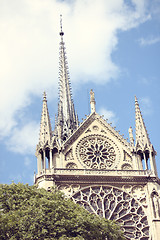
96, 167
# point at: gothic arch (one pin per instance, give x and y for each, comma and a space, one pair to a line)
115, 204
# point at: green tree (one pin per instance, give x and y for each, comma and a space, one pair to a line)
30, 213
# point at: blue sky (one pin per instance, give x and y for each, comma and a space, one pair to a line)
112, 47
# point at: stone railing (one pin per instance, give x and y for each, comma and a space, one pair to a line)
66, 171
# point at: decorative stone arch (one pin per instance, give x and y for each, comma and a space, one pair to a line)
71, 165
115, 204
41, 158
126, 166
54, 153
144, 158
147, 158
55, 150
141, 161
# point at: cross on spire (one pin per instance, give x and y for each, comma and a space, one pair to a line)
61, 32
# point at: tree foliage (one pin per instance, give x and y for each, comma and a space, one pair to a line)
30, 213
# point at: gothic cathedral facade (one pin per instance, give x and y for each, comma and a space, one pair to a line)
96, 167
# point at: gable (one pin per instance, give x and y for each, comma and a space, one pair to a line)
96, 145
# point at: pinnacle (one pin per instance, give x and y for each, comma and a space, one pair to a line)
45, 127
142, 137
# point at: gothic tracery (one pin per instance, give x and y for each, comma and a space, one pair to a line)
73, 156
115, 204
96, 152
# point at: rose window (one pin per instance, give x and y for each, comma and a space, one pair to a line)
96, 152
114, 204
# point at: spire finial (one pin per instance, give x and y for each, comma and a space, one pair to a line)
61, 32
44, 96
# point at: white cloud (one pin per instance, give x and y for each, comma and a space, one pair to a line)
23, 140
146, 106
20, 177
27, 161
110, 115
16, 178
29, 50
145, 81
149, 41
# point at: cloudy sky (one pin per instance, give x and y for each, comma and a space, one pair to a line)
112, 47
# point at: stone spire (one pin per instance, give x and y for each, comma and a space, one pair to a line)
142, 138
143, 145
67, 120
45, 127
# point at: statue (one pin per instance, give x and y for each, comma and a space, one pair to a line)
92, 101
155, 203
92, 95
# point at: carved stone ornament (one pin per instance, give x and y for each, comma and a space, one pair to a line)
92, 95
126, 166
71, 165
114, 204
69, 156
69, 190
95, 128
97, 152
155, 203
127, 157
138, 192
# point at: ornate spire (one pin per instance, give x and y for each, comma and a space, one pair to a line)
45, 127
67, 119
142, 138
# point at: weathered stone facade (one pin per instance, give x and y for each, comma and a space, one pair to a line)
96, 167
